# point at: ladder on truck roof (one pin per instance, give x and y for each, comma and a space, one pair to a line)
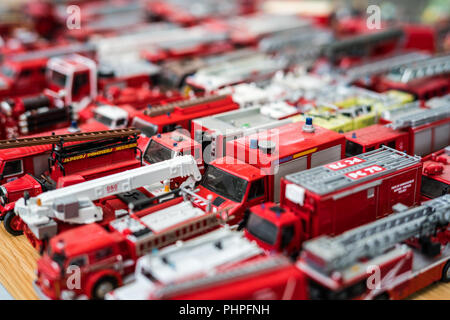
381, 66
373, 239
53, 52
170, 107
251, 268
147, 240
423, 68
420, 118
322, 180
70, 137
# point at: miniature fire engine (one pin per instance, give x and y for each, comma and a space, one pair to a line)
31, 115
436, 174
210, 256
337, 267
69, 163
75, 204
128, 239
335, 197
76, 78
258, 67
250, 171
414, 130
424, 78
213, 132
167, 117
25, 73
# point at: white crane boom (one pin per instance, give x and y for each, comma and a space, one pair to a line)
74, 204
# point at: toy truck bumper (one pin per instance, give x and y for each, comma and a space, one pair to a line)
41, 295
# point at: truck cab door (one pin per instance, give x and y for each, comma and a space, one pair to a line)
24, 82
81, 86
256, 193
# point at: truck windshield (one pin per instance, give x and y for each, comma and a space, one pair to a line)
156, 152
352, 149
432, 188
224, 184
58, 79
262, 229
7, 71
102, 119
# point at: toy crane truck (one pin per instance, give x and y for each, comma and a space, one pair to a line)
411, 250
102, 153
250, 172
436, 174
108, 255
54, 211
334, 198
211, 258
420, 131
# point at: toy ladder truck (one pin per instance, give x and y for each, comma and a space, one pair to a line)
196, 258
124, 241
211, 263
69, 162
380, 66
424, 78
340, 267
74, 204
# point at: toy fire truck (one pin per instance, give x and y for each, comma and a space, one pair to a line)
436, 174
255, 68
250, 171
424, 78
337, 268
128, 239
414, 130
219, 257
213, 132
52, 212
186, 12
32, 115
25, 73
69, 163
76, 78
335, 197
167, 117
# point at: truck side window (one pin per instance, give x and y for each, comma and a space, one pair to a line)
79, 81
25, 73
390, 144
286, 235
103, 253
256, 190
12, 167
78, 261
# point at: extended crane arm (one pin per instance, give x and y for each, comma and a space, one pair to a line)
74, 204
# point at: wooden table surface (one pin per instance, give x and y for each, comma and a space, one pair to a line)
18, 265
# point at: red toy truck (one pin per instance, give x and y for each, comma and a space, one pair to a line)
251, 172
420, 132
335, 197
25, 73
165, 118
387, 259
107, 152
115, 252
436, 174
